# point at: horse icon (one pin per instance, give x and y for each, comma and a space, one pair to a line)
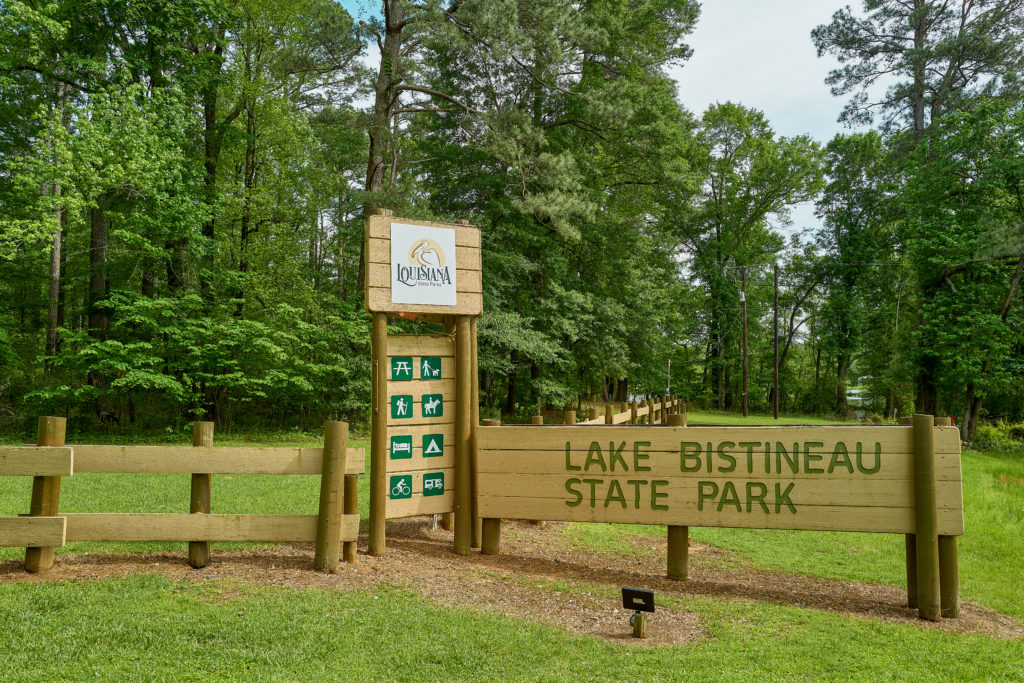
430, 407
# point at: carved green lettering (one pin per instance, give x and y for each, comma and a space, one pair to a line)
729, 497
812, 457
762, 491
636, 484
781, 452
638, 456
782, 498
593, 483
750, 446
568, 462
722, 447
706, 490
689, 462
655, 494
616, 454
615, 494
595, 456
569, 483
840, 456
878, 458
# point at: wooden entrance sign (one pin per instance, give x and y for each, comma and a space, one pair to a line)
887, 479
423, 416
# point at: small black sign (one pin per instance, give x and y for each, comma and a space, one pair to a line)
637, 599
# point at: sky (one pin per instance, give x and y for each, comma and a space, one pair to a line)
757, 53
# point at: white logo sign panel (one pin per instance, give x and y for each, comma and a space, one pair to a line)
422, 265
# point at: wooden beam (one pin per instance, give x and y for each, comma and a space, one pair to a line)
32, 532
36, 461
174, 527
208, 460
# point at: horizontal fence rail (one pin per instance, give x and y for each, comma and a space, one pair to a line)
336, 526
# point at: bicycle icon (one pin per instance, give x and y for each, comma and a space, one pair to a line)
402, 488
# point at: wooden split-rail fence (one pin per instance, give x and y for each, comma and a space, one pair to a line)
333, 530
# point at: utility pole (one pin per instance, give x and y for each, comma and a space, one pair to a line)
668, 387
775, 390
743, 300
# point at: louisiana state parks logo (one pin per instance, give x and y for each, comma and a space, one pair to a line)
422, 265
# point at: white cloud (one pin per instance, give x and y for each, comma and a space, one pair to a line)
760, 54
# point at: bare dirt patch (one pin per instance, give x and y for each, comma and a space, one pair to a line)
540, 576
1007, 479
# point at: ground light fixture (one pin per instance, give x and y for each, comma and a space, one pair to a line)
641, 601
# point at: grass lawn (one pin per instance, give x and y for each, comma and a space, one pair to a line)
150, 627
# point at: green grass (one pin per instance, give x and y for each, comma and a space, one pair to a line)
717, 417
150, 628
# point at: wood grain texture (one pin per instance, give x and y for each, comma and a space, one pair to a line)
421, 345
379, 227
32, 532
418, 505
377, 247
36, 461
466, 303
174, 527
524, 473
211, 460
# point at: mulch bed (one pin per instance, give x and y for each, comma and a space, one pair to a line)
528, 581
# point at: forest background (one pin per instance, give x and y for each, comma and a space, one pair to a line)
183, 184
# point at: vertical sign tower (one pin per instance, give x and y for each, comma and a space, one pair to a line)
424, 405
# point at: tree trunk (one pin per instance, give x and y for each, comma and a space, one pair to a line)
54, 314
98, 319
510, 399
384, 103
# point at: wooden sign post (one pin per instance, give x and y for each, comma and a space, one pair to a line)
424, 398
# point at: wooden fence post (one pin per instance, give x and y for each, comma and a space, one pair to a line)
926, 523
609, 414
949, 570
570, 417
632, 413
351, 508
463, 437
378, 434
474, 404
45, 492
678, 536
199, 499
328, 521
490, 541
593, 413
538, 419
664, 411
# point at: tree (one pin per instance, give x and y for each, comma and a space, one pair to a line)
750, 177
931, 56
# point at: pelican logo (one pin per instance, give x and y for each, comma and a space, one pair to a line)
426, 252
423, 265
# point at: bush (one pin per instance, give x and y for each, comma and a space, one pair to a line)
1000, 437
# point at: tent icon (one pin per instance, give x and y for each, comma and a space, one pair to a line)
433, 444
